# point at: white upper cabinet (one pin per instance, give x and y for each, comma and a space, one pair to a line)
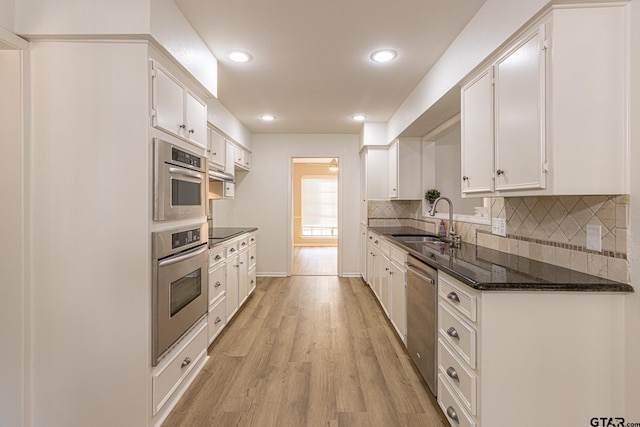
477, 134
217, 146
229, 156
176, 109
555, 114
519, 114
405, 169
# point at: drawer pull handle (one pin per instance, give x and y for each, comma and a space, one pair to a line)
218, 320
232, 250
452, 373
453, 297
453, 333
218, 257
218, 284
244, 244
186, 362
452, 414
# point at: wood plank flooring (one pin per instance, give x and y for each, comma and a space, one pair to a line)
308, 351
315, 261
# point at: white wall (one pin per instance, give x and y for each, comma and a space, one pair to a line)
90, 276
7, 8
13, 229
494, 23
52, 17
262, 195
219, 116
632, 310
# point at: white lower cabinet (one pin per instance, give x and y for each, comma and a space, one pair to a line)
527, 358
217, 318
181, 366
240, 272
387, 277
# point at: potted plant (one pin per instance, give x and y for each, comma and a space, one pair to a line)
431, 195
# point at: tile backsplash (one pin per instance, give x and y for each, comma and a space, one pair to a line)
550, 229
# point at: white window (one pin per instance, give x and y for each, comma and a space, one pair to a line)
320, 206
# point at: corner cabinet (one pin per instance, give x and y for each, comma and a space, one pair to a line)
175, 109
550, 364
548, 114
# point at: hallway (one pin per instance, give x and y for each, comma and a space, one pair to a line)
315, 261
308, 351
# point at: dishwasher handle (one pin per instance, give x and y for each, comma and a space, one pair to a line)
415, 269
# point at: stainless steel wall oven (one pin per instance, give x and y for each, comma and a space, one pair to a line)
180, 275
179, 182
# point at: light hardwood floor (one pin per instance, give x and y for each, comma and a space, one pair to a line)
315, 261
308, 351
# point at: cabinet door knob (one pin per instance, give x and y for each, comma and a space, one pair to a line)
452, 373
218, 257
218, 320
465, 178
192, 131
500, 172
218, 284
186, 362
182, 126
452, 414
453, 333
453, 297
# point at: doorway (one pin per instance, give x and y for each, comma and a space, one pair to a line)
315, 216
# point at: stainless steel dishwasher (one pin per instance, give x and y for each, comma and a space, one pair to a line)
422, 328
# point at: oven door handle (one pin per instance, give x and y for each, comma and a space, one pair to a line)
186, 172
182, 257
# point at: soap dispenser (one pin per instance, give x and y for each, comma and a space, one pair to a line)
442, 229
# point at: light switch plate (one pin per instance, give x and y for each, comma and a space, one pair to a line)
499, 226
594, 237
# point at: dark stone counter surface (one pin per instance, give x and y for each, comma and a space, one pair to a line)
219, 235
489, 270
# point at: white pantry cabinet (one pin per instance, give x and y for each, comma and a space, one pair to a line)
552, 108
176, 109
549, 363
405, 169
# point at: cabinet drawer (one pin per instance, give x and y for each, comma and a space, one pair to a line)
216, 283
173, 372
460, 378
216, 255
252, 256
252, 279
384, 246
232, 248
397, 255
454, 292
458, 334
217, 319
451, 407
243, 243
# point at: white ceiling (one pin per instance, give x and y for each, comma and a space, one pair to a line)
311, 66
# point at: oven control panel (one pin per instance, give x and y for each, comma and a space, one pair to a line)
185, 238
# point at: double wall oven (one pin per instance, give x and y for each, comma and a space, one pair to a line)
180, 254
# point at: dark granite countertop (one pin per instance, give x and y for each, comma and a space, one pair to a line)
489, 270
219, 235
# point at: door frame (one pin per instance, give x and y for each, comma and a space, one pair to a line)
290, 208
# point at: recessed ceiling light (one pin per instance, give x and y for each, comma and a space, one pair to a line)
239, 56
359, 117
383, 55
267, 117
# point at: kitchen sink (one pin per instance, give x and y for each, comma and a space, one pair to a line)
413, 238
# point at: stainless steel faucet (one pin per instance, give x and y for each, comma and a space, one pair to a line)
453, 237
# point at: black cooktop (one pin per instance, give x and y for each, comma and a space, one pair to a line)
219, 234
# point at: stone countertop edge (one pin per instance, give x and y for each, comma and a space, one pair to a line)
596, 284
240, 231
